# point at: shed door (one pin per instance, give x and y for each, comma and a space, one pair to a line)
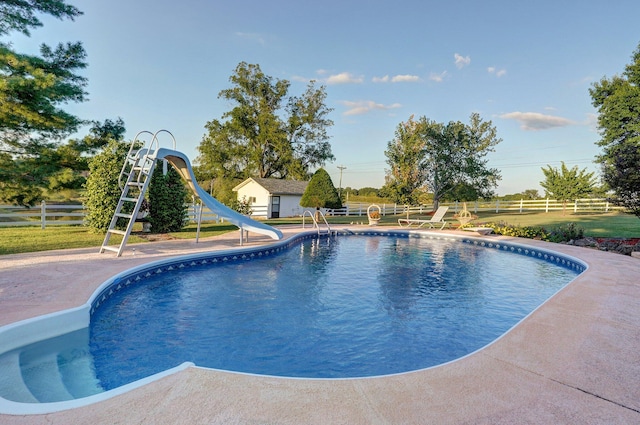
275, 207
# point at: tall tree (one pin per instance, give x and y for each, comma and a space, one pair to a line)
267, 133
441, 158
33, 90
566, 184
405, 154
618, 103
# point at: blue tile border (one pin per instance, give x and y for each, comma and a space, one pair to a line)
139, 274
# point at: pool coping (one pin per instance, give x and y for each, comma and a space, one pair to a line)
574, 359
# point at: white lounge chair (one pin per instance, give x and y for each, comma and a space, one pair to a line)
436, 219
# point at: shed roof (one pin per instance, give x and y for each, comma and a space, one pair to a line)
277, 186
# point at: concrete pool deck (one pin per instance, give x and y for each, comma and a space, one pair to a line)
575, 360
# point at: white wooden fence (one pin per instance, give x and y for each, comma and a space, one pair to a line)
497, 206
73, 214
42, 215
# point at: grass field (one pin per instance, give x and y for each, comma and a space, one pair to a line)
14, 240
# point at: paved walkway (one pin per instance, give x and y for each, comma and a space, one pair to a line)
575, 360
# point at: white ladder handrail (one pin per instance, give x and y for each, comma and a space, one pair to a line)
315, 222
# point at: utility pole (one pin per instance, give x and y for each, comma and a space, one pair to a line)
340, 167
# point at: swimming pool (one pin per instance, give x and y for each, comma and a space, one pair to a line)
391, 278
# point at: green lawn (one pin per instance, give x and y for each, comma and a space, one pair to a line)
15, 240
611, 225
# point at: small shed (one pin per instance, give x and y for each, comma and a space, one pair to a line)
272, 198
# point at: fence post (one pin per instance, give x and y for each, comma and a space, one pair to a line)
575, 206
546, 208
521, 205
606, 206
475, 208
43, 214
497, 206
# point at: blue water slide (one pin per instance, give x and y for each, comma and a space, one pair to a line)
181, 163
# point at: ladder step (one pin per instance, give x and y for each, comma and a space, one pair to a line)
136, 184
123, 215
130, 199
111, 248
117, 231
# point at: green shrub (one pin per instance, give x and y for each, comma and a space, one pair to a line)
566, 233
563, 233
102, 187
167, 197
530, 232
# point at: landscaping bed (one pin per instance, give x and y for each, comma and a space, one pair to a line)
625, 246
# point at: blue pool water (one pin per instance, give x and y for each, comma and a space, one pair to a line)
325, 308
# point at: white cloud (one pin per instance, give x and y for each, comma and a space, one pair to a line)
461, 61
343, 78
396, 79
364, 106
384, 79
405, 79
497, 72
438, 78
534, 121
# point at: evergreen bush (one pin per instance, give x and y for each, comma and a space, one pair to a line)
102, 187
320, 192
167, 197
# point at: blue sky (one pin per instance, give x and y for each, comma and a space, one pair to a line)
525, 65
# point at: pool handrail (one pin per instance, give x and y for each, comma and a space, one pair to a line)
316, 225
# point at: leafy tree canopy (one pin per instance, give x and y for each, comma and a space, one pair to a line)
21, 15
529, 194
33, 91
618, 102
444, 159
267, 133
25, 179
566, 184
320, 192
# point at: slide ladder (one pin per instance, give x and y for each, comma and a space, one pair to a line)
133, 180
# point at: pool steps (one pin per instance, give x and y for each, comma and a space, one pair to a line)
40, 373
11, 382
